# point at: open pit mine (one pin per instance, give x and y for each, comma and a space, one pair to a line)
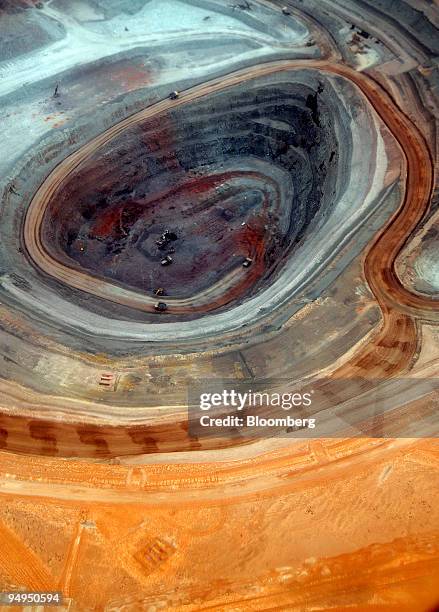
219, 305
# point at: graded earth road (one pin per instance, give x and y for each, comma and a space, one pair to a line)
384, 355
380, 271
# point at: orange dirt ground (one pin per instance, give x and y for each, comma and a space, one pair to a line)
120, 519
320, 525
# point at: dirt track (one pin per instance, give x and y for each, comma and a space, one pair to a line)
124, 513
387, 354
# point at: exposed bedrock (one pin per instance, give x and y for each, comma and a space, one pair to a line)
268, 181
23, 29
418, 263
235, 175
292, 172
271, 227
248, 204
